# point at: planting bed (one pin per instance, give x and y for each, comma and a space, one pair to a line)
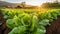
54, 28
3, 28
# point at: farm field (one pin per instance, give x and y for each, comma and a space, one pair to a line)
28, 21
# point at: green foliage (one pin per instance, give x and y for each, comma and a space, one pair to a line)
40, 30
26, 22
44, 22
18, 30
50, 5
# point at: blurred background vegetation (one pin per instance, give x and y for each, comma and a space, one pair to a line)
4, 4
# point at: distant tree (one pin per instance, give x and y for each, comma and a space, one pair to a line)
23, 4
18, 7
56, 1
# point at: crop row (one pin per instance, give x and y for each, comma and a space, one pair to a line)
22, 22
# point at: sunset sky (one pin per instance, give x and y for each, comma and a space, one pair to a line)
30, 2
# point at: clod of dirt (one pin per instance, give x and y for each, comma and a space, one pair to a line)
0, 23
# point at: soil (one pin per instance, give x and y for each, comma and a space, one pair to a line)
54, 28
3, 28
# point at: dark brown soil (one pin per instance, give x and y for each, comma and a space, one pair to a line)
3, 28
54, 28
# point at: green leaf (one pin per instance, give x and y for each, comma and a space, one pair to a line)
18, 30
10, 23
44, 22
40, 30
